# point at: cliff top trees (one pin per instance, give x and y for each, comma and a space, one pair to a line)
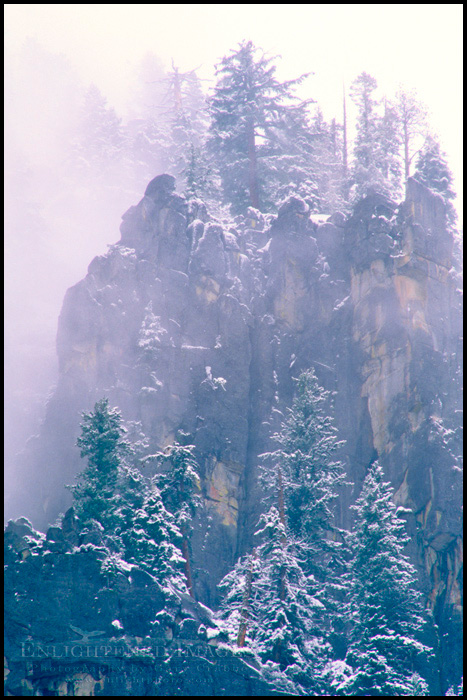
250, 110
376, 153
385, 605
412, 117
433, 171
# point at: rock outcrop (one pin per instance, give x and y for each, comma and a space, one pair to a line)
80, 622
196, 330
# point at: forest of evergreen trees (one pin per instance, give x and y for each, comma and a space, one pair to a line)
250, 141
324, 611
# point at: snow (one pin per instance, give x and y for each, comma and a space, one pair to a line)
117, 624
319, 218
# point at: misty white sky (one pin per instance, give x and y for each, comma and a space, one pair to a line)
417, 45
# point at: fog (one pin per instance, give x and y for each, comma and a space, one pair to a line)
67, 184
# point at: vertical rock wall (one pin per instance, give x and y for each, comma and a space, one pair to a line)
197, 331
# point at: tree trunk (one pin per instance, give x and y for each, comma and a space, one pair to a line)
406, 151
345, 192
187, 567
252, 167
245, 613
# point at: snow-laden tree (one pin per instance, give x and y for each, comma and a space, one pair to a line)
412, 118
96, 495
258, 129
304, 476
388, 150
304, 468
365, 171
115, 498
179, 485
456, 690
238, 589
385, 606
153, 541
328, 164
289, 627
433, 171
100, 145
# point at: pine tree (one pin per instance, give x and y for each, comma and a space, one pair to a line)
178, 487
101, 441
365, 172
153, 541
328, 164
238, 590
412, 119
101, 141
251, 112
433, 171
289, 629
310, 473
384, 603
388, 153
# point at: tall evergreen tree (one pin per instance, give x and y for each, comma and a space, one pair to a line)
365, 172
153, 541
385, 606
251, 111
388, 150
178, 486
310, 473
133, 522
100, 144
412, 119
290, 628
328, 164
102, 443
433, 171
239, 591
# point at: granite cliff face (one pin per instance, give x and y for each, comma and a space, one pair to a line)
196, 331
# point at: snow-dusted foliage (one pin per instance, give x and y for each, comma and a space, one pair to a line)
376, 164
118, 508
152, 334
289, 629
385, 607
259, 134
179, 486
433, 171
309, 471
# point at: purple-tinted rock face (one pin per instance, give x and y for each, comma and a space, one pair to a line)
196, 332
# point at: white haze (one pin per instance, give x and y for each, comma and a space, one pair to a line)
55, 224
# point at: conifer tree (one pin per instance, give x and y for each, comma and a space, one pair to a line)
251, 111
385, 606
238, 590
365, 172
289, 629
133, 520
178, 487
433, 171
412, 119
100, 144
388, 150
310, 473
101, 441
153, 541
